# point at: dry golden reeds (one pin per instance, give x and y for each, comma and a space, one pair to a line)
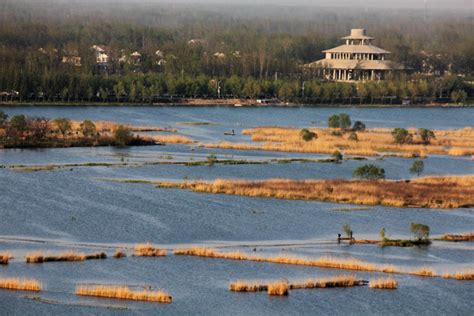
424, 272
429, 192
66, 256
463, 237
123, 293
243, 286
467, 275
329, 282
279, 288
370, 142
282, 287
20, 284
119, 254
324, 262
148, 250
5, 257
169, 139
383, 283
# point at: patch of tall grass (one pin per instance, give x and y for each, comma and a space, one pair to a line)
429, 192
467, 275
324, 262
383, 283
279, 288
20, 284
371, 142
148, 250
5, 257
123, 293
424, 272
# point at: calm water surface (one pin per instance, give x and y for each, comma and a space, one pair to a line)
79, 210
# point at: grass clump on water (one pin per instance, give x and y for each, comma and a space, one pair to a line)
123, 293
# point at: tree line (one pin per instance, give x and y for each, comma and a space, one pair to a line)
250, 55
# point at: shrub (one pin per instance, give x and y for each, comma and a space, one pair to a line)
122, 136
88, 128
3, 118
358, 126
426, 135
211, 160
401, 136
16, 127
342, 121
337, 156
307, 135
369, 172
347, 230
420, 231
417, 167
334, 121
345, 121
459, 96
63, 125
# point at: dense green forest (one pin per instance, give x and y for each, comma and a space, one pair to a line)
240, 51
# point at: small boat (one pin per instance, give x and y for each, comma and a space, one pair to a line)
230, 133
238, 105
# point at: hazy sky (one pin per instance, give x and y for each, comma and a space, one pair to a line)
455, 4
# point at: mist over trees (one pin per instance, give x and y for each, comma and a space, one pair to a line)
253, 50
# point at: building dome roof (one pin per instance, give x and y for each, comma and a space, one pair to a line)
358, 34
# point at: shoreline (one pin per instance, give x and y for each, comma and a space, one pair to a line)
237, 103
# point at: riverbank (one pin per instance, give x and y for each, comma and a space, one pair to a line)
227, 102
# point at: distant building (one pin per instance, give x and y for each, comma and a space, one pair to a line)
356, 60
72, 60
197, 41
103, 60
102, 56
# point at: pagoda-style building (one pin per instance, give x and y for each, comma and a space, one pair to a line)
356, 60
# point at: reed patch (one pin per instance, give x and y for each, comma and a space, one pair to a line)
123, 293
5, 257
383, 283
371, 142
467, 275
148, 250
429, 192
283, 287
20, 284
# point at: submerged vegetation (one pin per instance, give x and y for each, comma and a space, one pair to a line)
67, 256
123, 293
429, 192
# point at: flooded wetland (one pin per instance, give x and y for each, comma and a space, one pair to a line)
104, 235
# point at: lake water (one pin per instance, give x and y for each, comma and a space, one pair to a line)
80, 209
